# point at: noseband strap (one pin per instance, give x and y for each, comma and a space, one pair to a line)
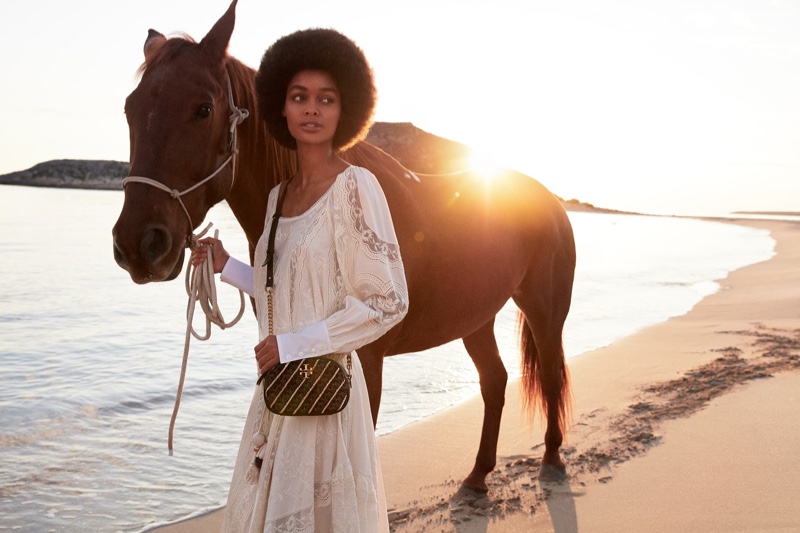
238, 116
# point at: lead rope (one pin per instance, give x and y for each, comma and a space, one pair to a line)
200, 281
200, 287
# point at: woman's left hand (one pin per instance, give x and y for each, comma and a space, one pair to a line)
200, 253
267, 354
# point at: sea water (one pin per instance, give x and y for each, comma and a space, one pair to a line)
89, 361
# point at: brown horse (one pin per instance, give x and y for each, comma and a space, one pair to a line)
468, 244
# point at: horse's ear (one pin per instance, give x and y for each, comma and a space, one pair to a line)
153, 42
217, 39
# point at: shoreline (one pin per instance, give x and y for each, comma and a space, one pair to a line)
628, 397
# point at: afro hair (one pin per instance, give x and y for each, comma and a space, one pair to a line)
317, 49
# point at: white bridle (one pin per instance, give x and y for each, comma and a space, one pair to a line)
237, 117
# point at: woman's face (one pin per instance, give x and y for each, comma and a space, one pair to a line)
312, 107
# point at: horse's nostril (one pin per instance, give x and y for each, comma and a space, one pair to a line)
155, 244
119, 257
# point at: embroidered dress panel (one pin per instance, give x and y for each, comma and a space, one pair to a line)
339, 284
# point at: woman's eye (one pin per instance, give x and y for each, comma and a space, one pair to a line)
298, 98
204, 111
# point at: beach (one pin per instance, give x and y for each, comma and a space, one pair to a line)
688, 425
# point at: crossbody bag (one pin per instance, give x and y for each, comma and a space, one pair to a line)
307, 387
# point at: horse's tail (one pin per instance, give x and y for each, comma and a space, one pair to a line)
533, 388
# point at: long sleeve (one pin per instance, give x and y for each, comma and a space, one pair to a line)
371, 272
238, 274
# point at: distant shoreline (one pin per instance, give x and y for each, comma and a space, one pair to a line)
38, 176
414, 148
108, 175
54, 184
769, 213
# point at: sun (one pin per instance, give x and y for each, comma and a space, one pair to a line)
484, 164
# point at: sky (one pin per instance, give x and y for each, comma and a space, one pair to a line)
665, 107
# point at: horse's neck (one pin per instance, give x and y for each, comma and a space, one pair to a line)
256, 175
261, 162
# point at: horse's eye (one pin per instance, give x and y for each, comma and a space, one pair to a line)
204, 111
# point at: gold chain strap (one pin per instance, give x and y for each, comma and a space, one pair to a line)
269, 310
270, 289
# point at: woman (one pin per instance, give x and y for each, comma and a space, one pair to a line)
339, 284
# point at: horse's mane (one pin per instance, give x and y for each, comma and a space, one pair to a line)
167, 51
282, 161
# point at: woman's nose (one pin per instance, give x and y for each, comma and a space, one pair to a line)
312, 110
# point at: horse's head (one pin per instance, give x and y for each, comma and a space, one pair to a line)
181, 125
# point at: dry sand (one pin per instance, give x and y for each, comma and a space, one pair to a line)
689, 425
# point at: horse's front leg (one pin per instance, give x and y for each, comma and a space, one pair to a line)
372, 363
482, 348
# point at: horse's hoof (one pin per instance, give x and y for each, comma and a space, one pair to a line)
475, 482
552, 474
472, 492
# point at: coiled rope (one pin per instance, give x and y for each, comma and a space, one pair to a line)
200, 287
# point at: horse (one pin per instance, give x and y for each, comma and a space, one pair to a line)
468, 245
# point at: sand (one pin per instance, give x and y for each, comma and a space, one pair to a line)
689, 425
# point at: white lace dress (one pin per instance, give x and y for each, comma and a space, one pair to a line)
339, 284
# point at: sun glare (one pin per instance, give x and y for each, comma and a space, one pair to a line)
484, 165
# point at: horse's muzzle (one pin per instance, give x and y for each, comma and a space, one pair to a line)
150, 257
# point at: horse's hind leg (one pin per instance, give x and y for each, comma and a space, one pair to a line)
554, 382
545, 307
372, 365
482, 348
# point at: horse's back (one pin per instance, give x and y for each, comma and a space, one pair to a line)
467, 243
469, 200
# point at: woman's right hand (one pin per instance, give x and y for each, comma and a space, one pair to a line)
220, 255
267, 354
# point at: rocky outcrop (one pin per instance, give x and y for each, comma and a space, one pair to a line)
419, 150
71, 173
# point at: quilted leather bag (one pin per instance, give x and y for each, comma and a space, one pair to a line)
307, 387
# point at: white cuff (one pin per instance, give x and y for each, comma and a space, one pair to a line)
238, 274
310, 341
